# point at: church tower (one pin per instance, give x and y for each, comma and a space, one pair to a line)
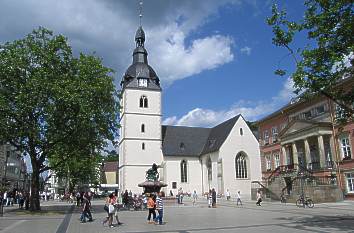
140, 133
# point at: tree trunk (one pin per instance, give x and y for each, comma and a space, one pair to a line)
34, 199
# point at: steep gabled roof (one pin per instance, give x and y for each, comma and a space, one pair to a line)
195, 141
219, 134
183, 141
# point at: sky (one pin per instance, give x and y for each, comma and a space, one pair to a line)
215, 59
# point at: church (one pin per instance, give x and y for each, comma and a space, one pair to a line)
224, 157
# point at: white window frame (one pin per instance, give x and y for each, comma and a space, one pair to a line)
349, 179
345, 146
274, 133
266, 137
268, 162
276, 160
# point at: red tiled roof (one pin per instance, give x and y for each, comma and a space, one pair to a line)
110, 166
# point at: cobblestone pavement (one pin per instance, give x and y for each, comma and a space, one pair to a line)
59, 217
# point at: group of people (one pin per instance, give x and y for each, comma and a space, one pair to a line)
155, 203
9, 198
238, 197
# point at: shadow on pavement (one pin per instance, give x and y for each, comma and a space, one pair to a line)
332, 223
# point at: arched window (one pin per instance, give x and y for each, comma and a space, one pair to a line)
241, 166
210, 174
143, 146
183, 171
142, 128
241, 131
143, 103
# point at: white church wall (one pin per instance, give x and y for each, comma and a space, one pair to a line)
172, 173
234, 144
152, 126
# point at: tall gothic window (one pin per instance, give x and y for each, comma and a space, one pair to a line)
143, 102
241, 166
183, 171
210, 174
142, 128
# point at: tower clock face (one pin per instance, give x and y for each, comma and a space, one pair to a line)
142, 82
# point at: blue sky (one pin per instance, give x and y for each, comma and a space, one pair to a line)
215, 59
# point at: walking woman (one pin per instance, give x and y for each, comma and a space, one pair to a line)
151, 205
107, 210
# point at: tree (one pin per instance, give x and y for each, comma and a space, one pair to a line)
327, 59
112, 156
54, 107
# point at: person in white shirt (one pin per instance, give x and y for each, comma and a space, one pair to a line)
195, 197
228, 195
238, 197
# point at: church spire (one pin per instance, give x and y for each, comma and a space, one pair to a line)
140, 34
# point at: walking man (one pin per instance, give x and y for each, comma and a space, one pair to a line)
195, 196
238, 197
259, 198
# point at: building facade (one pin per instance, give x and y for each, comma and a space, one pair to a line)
303, 139
191, 158
13, 172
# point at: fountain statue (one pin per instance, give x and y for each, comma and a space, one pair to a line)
152, 183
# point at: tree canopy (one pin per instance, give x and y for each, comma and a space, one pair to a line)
53, 106
327, 58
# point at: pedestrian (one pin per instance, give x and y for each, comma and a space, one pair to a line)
86, 210
116, 208
210, 198
259, 198
195, 197
238, 197
106, 208
213, 193
151, 205
159, 208
228, 195
78, 196
110, 210
145, 200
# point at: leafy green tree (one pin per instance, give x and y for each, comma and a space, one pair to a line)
328, 56
54, 107
112, 156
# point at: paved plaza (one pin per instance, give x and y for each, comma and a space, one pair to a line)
274, 217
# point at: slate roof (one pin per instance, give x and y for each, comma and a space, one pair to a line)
219, 134
195, 141
183, 141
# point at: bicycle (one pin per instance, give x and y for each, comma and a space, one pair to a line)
304, 201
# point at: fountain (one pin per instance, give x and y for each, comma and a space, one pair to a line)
152, 183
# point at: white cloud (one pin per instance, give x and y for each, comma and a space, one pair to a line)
174, 60
108, 28
250, 110
246, 50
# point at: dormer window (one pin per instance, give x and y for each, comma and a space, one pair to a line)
142, 82
181, 146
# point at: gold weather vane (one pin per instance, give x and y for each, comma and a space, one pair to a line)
140, 11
